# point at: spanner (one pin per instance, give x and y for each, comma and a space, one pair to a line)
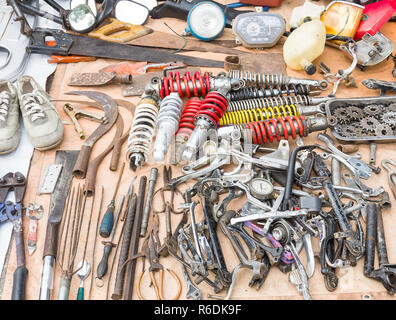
192, 290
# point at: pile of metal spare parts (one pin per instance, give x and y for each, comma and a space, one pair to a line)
250, 182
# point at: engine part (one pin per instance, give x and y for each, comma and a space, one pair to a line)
371, 127
382, 85
253, 79
207, 117
258, 29
168, 121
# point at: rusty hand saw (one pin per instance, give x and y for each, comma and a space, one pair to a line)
67, 44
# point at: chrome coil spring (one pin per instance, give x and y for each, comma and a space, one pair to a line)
251, 115
271, 91
267, 131
268, 102
141, 135
259, 79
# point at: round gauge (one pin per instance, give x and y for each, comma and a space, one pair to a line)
261, 188
258, 30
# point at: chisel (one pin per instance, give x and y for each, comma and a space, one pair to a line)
107, 222
108, 245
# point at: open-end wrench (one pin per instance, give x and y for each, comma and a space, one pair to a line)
192, 290
256, 266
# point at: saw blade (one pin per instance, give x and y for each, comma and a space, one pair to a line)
67, 44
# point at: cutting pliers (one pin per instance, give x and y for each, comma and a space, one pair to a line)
150, 249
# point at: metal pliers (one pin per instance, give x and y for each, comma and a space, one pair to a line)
150, 248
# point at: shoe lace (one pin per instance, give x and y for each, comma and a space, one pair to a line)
4, 102
32, 104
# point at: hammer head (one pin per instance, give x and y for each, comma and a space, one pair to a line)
386, 274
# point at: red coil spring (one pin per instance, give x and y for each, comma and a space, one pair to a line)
262, 130
186, 124
213, 107
167, 84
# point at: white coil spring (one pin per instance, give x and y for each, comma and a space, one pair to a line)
268, 102
170, 110
259, 79
142, 130
168, 122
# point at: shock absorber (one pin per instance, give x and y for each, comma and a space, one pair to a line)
271, 91
274, 102
168, 121
195, 86
142, 131
186, 127
255, 79
207, 118
251, 115
276, 129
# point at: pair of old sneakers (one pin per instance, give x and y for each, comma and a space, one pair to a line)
40, 118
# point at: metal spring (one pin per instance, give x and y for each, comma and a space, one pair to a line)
142, 130
196, 86
259, 79
278, 128
186, 124
268, 102
250, 115
271, 91
170, 109
213, 107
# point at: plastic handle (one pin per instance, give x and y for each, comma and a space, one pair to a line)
64, 289
107, 222
80, 293
19, 284
102, 267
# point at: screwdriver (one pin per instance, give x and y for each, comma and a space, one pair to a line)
107, 222
108, 245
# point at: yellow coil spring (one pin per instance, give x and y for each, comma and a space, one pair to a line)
246, 116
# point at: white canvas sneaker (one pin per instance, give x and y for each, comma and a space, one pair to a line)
40, 118
9, 118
